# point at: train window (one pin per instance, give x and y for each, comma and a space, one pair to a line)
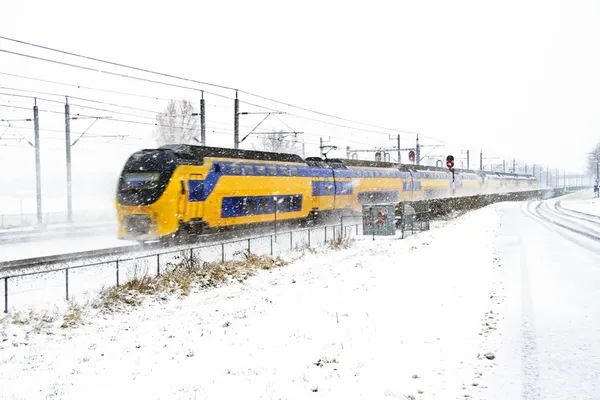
263, 205
248, 169
235, 169
297, 203
238, 206
286, 204
261, 170
272, 170
250, 206
294, 171
285, 171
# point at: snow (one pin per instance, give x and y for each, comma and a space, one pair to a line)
60, 243
39, 288
584, 202
382, 319
549, 281
21, 211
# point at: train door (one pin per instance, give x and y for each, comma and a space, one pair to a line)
194, 206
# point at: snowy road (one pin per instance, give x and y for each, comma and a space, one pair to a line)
550, 263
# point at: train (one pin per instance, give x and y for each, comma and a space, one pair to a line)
182, 189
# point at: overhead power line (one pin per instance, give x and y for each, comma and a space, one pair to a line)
121, 65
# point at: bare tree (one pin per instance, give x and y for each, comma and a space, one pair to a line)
279, 142
176, 123
593, 158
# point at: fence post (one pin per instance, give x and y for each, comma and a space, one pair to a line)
67, 282
325, 241
222, 252
6, 294
291, 240
271, 237
248, 245
158, 264
309, 238
117, 264
356, 229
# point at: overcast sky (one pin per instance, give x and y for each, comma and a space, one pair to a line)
518, 79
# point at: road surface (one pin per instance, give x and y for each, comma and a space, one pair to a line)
549, 258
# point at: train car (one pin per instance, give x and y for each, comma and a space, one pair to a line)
189, 189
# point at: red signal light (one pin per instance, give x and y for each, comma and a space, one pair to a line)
450, 164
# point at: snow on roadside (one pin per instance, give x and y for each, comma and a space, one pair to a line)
383, 319
588, 205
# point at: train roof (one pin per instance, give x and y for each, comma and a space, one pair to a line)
198, 153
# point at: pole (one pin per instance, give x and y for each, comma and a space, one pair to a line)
68, 150
275, 221
547, 177
503, 165
399, 152
236, 122
418, 152
202, 121
467, 159
38, 177
481, 160
303, 147
321, 145
514, 167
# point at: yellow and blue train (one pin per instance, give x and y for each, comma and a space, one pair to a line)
184, 188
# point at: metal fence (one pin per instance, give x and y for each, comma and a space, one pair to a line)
77, 281
414, 222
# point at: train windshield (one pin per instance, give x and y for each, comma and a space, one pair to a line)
140, 180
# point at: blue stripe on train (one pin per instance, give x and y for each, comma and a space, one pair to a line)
241, 206
326, 188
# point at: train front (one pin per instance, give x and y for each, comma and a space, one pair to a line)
146, 196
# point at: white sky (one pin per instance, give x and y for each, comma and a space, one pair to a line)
516, 78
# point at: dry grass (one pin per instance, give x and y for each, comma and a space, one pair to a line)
72, 317
341, 241
184, 274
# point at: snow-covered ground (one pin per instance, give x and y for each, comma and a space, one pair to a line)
383, 319
584, 202
60, 243
21, 211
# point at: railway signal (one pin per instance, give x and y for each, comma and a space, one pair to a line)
450, 162
411, 156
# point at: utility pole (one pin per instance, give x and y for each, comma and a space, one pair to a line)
481, 160
303, 148
514, 167
38, 177
418, 152
68, 150
236, 122
467, 159
399, 152
202, 122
